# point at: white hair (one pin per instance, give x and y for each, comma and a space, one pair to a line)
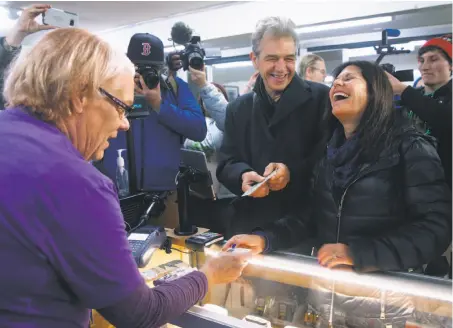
276, 27
64, 63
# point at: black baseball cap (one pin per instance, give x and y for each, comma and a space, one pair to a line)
145, 48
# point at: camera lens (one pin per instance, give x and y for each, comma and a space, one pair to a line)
196, 61
151, 78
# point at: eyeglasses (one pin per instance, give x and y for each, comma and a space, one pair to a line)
323, 71
123, 108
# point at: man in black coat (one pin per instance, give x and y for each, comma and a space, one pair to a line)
276, 127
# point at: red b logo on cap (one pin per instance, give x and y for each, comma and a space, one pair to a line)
146, 49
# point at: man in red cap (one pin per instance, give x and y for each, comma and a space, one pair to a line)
430, 109
430, 106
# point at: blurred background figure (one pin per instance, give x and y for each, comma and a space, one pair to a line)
312, 68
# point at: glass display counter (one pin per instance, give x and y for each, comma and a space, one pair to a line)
290, 290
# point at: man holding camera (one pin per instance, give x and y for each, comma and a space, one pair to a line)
430, 106
174, 115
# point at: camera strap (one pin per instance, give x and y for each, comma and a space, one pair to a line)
175, 96
142, 150
172, 90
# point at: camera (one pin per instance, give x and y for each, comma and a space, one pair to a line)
389, 68
403, 76
150, 75
193, 54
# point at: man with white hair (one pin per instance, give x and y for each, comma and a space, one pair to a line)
276, 127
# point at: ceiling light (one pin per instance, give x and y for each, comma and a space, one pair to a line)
233, 64
360, 52
346, 24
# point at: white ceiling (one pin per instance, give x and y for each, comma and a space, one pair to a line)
98, 16
424, 21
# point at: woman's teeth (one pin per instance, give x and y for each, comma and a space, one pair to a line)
340, 96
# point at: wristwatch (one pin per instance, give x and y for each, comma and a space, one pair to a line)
9, 47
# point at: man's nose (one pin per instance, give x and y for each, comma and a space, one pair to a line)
424, 66
280, 64
124, 126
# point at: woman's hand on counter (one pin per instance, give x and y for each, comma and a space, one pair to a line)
224, 268
255, 243
335, 256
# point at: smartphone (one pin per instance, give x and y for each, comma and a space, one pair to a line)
60, 18
256, 186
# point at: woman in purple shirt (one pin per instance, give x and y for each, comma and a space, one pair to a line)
63, 246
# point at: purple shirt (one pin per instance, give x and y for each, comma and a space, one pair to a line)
63, 246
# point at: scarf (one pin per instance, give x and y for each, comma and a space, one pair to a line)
343, 154
268, 103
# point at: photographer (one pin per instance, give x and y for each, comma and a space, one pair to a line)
213, 100
11, 44
430, 106
174, 116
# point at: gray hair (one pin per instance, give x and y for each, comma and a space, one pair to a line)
308, 61
276, 27
79, 64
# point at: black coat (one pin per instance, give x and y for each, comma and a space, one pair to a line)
436, 112
395, 215
250, 143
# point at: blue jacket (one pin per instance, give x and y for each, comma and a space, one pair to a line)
164, 135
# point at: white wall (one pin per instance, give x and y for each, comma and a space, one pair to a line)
401, 62
241, 18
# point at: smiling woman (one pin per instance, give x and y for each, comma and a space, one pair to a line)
362, 100
381, 200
